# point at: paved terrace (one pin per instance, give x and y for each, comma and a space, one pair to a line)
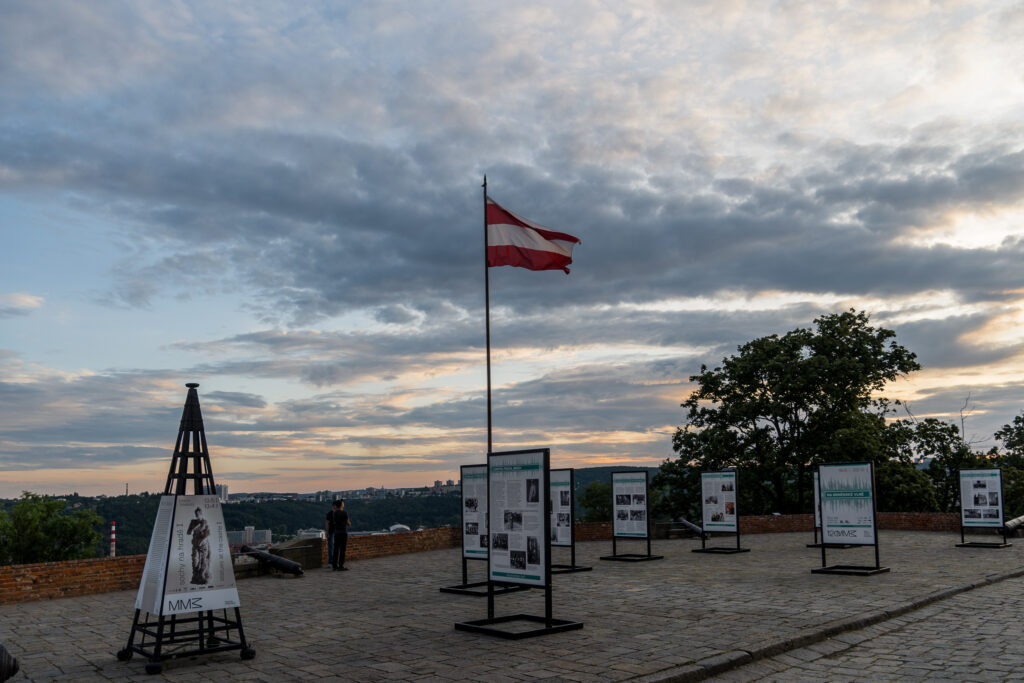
689, 616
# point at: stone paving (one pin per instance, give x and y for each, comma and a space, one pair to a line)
973, 636
753, 615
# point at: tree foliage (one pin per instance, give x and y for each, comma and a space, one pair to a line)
40, 529
596, 501
786, 403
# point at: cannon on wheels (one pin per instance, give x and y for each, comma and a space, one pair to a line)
277, 562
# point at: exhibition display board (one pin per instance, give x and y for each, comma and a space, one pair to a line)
518, 504
475, 532
718, 496
517, 499
563, 519
817, 517
187, 602
848, 513
188, 567
630, 518
981, 505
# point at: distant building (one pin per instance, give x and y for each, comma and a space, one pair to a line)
310, 533
222, 492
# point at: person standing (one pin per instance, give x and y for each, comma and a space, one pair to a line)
341, 524
329, 529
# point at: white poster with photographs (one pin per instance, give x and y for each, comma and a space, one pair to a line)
518, 491
981, 499
188, 567
629, 504
718, 498
474, 511
561, 507
847, 503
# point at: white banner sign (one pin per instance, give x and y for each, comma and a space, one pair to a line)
188, 567
517, 504
474, 511
847, 503
561, 507
629, 504
981, 498
718, 498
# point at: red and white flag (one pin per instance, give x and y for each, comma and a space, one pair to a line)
515, 241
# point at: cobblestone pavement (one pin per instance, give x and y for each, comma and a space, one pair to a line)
685, 617
973, 636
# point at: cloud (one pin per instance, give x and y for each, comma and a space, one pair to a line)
18, 304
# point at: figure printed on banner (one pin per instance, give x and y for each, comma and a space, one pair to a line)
199, 529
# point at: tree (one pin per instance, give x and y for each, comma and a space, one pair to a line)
39, 530
596, 501
786, 403
1012, 463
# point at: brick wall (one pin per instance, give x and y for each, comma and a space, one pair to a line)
22, 582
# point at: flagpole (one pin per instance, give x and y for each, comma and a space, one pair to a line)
487, 309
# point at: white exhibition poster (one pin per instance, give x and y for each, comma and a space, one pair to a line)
629, 504
188, 568
152, 583
817, 503
517, 504
561, 507
474, 511
847, 503
981, 499
718, 500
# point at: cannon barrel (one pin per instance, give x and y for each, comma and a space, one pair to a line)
275, 561
8, 664
691, 526
1014, 523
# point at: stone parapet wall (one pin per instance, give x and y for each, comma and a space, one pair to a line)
23, 582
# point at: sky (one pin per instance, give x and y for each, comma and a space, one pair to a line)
282, 202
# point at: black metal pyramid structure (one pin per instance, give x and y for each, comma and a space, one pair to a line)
190, 449
161, 637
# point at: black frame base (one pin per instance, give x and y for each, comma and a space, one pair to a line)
471, 589
633, 557
721, 551
980, 544
834, 546
568, 568
850, 570
485, 626
170, 637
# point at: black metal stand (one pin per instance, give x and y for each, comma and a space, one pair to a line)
572, 566
983, 544
632, 557
488, 626
720, 550
163, 637
850, 569
479, 588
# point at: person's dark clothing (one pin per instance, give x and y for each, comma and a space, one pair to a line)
339, 521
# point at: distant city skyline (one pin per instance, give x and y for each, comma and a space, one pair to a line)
285, 206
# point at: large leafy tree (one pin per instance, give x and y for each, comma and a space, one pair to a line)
1011, 460
785, 403
596, 501
40, 530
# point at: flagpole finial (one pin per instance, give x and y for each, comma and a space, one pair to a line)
485, 180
